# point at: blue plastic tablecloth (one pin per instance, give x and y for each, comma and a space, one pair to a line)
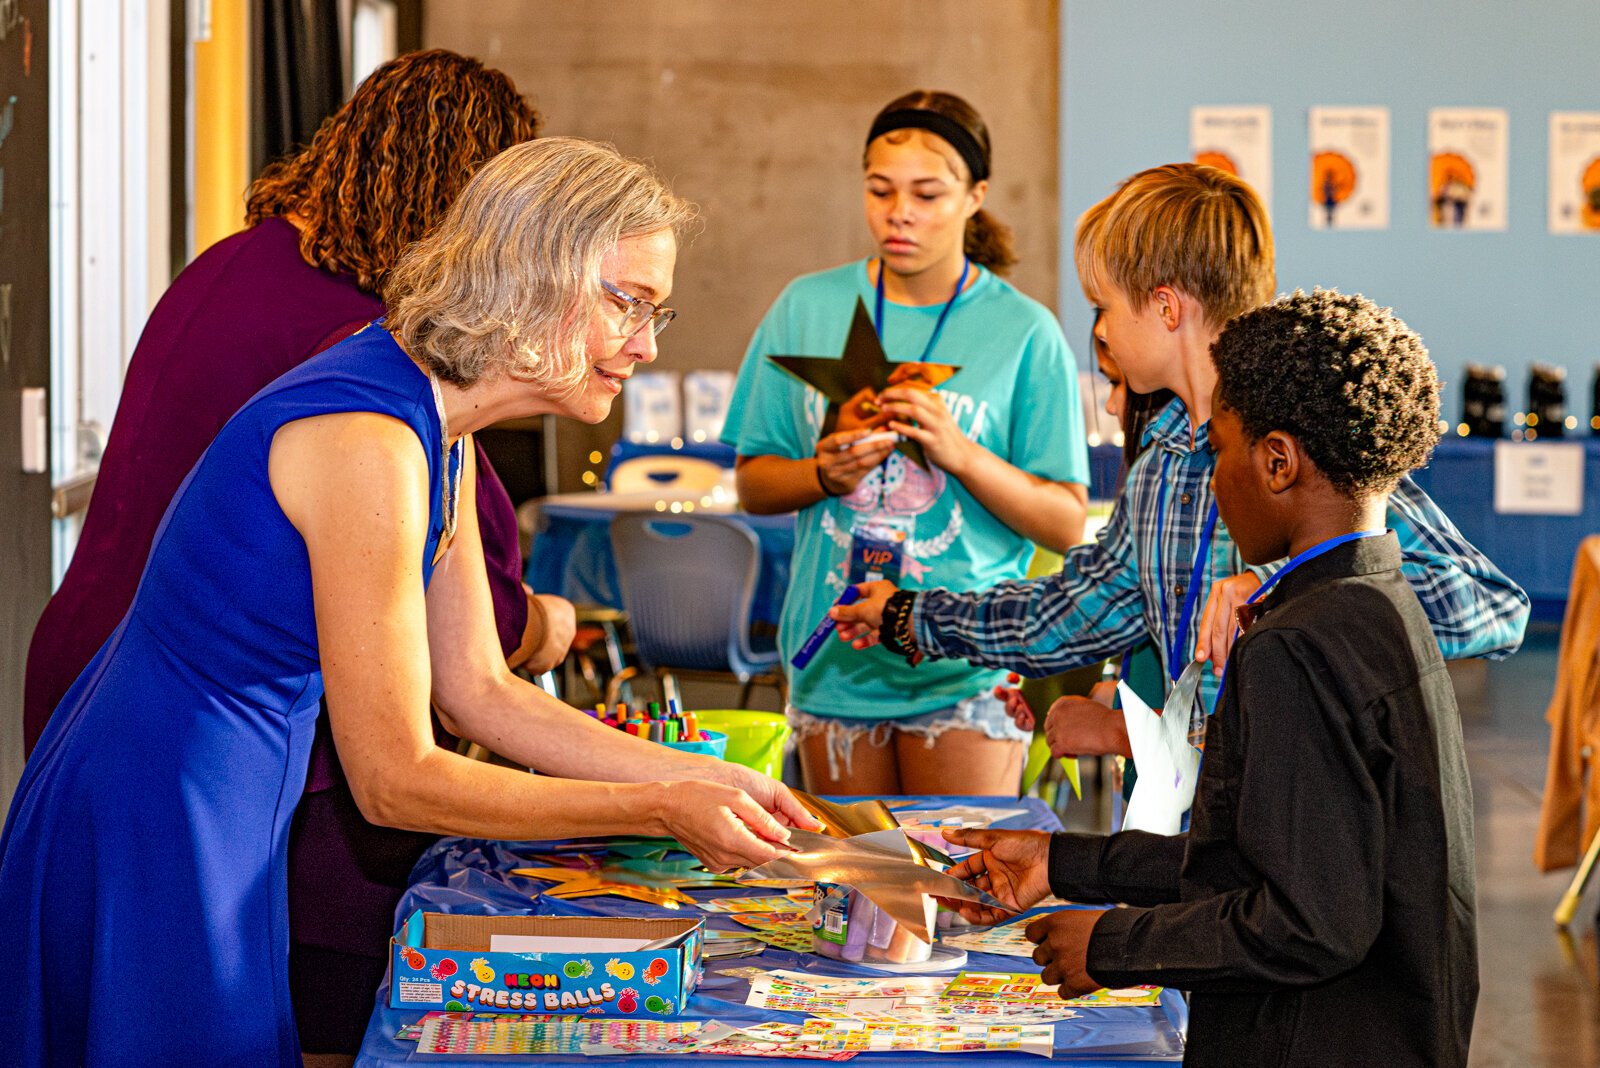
469, 875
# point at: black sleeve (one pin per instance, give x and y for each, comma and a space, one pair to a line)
1133, 867
1310, 822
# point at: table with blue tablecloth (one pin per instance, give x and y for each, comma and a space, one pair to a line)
571, 554
471, 876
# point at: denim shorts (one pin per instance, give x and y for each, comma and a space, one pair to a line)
984, 712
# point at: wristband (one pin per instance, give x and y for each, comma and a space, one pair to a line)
895, 634
824, 486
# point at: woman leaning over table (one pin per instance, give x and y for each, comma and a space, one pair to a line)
147, 839
1003, 439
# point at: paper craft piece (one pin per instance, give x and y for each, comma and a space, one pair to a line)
853, 381
654, 882
785, 930
1069, 767
1575, 172
1467, 168
798, 901
728, 1040
1349, 168
880, 865
957, 815
1023, 988
863, 1037
1007, 941
481, 1033
1168, 765
865, 817
1237, 140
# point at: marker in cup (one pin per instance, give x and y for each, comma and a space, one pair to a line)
813, 644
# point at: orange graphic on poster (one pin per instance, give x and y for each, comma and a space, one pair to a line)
1220, 160
1451, 180
1333, 179
1590, 215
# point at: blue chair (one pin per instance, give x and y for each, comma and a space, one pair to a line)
687, 584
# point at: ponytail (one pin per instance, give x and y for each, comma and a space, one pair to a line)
989, 243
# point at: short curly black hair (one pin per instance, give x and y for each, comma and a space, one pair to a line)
1348, 379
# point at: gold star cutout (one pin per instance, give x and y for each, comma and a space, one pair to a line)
652, 881
853, 381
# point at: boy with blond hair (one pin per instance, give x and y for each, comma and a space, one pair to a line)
1169, 259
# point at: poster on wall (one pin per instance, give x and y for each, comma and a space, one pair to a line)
1467, 166
1237, 140
1349, 168
1575, 172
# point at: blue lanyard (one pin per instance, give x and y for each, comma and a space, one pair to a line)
933, 338
1294, 562
1202, 558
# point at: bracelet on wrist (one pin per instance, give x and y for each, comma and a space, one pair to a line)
896, 633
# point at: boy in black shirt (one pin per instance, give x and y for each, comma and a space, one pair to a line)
1320, 907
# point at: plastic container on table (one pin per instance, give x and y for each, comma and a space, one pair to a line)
714, 743
851, 928
755, 739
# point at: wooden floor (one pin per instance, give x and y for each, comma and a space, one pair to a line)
1540, 1000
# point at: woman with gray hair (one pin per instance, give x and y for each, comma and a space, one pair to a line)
326, 537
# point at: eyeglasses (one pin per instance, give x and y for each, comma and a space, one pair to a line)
637, 312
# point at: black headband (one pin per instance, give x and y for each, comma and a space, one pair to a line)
952, 131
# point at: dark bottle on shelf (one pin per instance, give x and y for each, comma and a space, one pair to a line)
1547, 402
1483, 401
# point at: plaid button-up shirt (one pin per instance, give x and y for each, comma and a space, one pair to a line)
1130, 583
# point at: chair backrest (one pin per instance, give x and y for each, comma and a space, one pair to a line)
687, 583
640, 473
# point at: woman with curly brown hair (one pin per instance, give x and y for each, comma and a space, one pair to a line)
326, 226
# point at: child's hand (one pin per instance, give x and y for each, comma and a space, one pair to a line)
841, 464
1063, 941
1016, 705
924, 418
1082, 726
1013, 867
1214, 639
858, 623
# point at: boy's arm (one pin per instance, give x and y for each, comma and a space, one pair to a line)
1133, 867
1309, 825
1091, 609
1474, 608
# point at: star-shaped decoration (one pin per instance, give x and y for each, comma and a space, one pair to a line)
853, 381
882, 865
652, 880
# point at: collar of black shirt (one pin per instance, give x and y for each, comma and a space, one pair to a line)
1364, 556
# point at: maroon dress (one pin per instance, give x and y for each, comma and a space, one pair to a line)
244, 312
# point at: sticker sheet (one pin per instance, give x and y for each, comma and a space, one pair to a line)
1007, 941
912, 999
795, 901
786, 930
1026, 989
490, 1033
859, 1036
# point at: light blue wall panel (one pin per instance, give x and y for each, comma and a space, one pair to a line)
1132, 70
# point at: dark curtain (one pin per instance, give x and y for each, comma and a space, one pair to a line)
297, 77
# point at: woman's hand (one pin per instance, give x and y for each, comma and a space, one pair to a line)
767, 792
1063, 941
842, 464
1219, 622
1014, 867
921, 416
722, 825
859, 623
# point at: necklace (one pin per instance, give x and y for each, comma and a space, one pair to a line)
450, 480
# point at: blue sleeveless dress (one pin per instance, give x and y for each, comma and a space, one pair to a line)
143, 907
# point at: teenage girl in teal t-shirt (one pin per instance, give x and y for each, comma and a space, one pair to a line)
1003, 438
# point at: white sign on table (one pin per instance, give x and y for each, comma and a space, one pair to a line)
1538, 478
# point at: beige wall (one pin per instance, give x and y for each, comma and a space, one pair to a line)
757, 110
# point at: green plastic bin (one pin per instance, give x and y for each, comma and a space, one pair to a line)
755, 739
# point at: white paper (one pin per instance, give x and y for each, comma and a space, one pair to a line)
515, 943
1467, 166
1168, 766
1575, 172
705, 404
1349, 168
1538, 478
1237, 140
651, 409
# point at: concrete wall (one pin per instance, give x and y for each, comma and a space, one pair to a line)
757, 111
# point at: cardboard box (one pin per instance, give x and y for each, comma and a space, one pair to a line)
443, 961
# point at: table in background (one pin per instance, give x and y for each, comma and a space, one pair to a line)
1535, 551
469, 875
571, 554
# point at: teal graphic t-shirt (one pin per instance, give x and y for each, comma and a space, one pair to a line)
1016, 395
